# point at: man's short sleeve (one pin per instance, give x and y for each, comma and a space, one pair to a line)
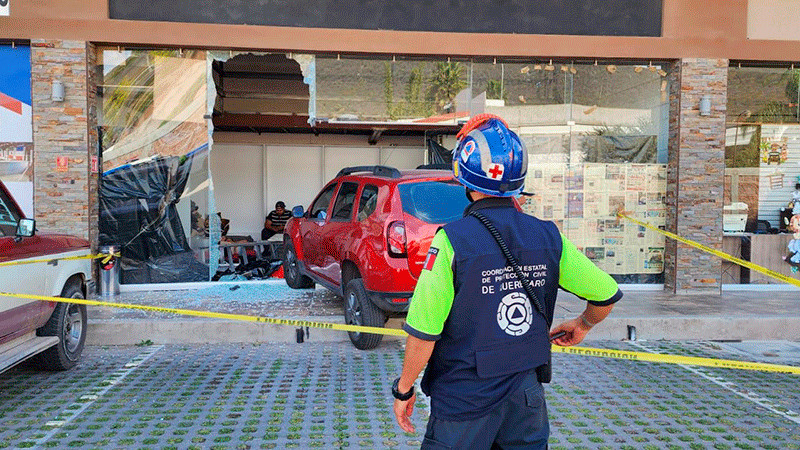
433, 296
580, 276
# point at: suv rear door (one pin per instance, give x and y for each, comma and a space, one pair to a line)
427, 205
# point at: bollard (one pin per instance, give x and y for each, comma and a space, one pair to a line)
109, 273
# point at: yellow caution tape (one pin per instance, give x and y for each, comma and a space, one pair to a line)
725, 256
586, 351
104, 256
216, 315
676, 359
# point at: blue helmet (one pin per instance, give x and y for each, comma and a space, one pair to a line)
490, 158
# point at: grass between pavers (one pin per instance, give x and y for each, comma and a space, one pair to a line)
331, 396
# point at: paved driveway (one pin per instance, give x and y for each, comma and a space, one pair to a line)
329, 395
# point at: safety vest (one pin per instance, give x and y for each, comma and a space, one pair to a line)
493, 336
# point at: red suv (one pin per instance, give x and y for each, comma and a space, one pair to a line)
365, 237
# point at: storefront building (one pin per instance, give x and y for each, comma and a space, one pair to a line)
135, 123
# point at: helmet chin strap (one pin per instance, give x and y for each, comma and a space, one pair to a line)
474, 196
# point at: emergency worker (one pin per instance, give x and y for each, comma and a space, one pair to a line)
486, 345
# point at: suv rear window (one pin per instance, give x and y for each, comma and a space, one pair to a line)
368, 202
433, 201
343, 208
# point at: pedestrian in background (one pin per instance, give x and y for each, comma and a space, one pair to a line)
484, 338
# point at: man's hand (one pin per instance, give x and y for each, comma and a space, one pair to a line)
403, 411
417, 354
576, 330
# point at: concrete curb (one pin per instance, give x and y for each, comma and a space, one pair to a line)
203, 331
684, 328
210, 331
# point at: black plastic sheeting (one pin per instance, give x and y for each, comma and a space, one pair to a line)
138, 214
438, 154
616, 149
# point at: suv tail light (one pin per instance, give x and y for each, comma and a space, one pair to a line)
396, 239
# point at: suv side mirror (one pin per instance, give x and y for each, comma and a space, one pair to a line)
26, 227
297, 211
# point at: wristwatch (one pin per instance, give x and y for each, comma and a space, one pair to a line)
402, 396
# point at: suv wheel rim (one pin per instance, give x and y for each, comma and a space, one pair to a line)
73, 328
354, 312
293, 271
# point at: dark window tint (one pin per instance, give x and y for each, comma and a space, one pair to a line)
433, 201
321, 203
367, 202
343, 208
9, 216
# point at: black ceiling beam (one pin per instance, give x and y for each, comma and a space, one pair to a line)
263, 75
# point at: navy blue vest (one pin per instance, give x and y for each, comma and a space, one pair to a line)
493, 336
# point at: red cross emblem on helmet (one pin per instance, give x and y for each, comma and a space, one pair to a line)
496, 171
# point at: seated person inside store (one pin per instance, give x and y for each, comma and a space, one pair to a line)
275, 221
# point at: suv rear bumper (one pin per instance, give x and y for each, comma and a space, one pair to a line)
388, 301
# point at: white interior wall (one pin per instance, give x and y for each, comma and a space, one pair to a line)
249, 178
336, 158
402, 157
238, 187
294, 176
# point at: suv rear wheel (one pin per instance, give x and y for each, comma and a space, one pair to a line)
359, 310
291, 269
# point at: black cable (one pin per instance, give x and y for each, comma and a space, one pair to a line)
514, 264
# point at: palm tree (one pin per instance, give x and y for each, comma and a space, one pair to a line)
447, 81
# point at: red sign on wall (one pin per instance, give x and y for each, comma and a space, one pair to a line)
62, 163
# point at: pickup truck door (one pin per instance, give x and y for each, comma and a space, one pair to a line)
23, 279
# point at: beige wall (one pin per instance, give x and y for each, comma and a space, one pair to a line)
708, 29
771, 19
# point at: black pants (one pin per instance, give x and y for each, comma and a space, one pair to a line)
267, 233
519, 422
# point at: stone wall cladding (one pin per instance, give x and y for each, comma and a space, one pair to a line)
696, 175
93, 80
670, 246
60, 130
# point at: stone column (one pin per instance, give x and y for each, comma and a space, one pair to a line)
695, 174
94, 78
61, 160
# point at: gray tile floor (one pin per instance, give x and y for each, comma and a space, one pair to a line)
274, 298
329, 395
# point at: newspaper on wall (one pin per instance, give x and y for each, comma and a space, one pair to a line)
583, 199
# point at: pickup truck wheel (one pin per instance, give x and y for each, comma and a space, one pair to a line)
291, 269
68, 322
359, 310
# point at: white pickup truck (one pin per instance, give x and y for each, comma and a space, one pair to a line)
52, 333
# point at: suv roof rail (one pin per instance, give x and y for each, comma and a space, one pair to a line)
381, 171
439, 166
